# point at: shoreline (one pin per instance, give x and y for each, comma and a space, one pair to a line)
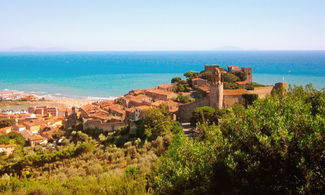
59, 102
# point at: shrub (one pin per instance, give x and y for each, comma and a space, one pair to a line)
131, 172
227, 85
249, 98
230, 78
95, 169
241, 75
6, 122
184, 99
207, 75
190, 74
12, 137
275, 146
205, 114
176, 79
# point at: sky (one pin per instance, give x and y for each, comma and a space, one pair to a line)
138, 25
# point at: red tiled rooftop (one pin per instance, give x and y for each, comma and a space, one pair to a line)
158, 91
198, 79
166, 86
205, 88
143, 107
105, 103
241, 82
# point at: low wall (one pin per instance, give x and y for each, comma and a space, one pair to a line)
231, 100
262, 91
185, 111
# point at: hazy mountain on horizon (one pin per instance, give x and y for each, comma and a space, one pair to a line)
228, 48
34, 49
233, 48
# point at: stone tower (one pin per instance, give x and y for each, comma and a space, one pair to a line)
216, 90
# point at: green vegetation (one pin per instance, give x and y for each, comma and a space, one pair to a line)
184, 99
191, 74
34, 161
155, 123
183, 87
249, 86
227, 85
176, 79
89, 162
241, 75
257, 84
12, 138
205, 114
6, 122
249, 98
207, 75
230, 78
272, 146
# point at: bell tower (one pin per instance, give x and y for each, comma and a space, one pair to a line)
216, 90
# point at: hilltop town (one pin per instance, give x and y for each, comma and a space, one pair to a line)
214, 86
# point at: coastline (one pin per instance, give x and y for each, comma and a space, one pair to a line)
59, 102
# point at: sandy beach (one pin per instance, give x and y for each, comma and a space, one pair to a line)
60, 102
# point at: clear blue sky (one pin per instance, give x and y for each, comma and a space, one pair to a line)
163, 24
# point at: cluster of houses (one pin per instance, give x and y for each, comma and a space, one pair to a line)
111, 115
37, 125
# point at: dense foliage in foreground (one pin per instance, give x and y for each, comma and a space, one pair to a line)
275, 145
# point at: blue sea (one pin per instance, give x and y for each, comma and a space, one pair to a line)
111, 74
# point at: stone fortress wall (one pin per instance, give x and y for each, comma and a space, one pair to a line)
219, 98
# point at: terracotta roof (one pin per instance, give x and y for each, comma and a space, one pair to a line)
160, 92
137, 91
241, 82
117, 108
130, 109
205, 88
198, 79
26, 134
166, 86
37, 137
99, 115
105, 103
158, 103
143, 107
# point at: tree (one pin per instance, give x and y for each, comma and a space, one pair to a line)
182, 88
190, 74
205, 114
227, 85
6, 122
184, 99
249, 98
154, 123
229, 77
14, 138
176, 79
207, 75
241, 75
